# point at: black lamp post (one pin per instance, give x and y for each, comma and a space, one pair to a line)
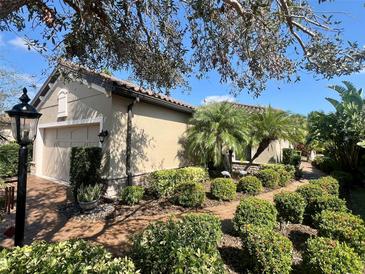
102, 135
24, 120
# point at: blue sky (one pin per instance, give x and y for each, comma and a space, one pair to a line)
302, 97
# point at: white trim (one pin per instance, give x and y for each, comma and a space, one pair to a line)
73, 123
62, 103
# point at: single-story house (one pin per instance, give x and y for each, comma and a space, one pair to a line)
145, 128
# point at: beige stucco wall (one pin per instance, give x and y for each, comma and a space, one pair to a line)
273, 154
156, 137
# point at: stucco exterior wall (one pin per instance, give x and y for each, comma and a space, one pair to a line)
273, 154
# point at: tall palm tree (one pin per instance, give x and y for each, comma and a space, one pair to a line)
215, 129
271, 125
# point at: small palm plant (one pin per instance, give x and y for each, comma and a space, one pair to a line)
89, 193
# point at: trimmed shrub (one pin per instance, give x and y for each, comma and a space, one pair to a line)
269, 178
73, 256
194, 261
162, 182
131, 195
290, 207
250, 185
327, 256
326, 202
287, 155
223, 189
310, 192
189, 195
329, 184
9, 160
267, 251
286, 173
156, 249
254, 211
191, 175
344, 227
326, 164
344, 178
85, 166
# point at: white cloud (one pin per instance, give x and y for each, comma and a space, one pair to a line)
19, 43
218, 98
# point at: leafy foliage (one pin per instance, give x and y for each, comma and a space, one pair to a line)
326, 202
291, 157
268, 251
89, 193
160, 247
9, 159
191, 174
254, 211
327, 256
189, 195
344, 227
73, 256
326, 164
344, 178
215, 129
311, 192
290, 207
286, 172
329, 184
132, 195
250, 185
223, 189
269, 178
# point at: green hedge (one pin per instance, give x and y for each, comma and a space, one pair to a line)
290, 207
191, 175
269, 178
291, 157
326, 202
327, 256
223, 189
329, 184
344, 227
85, 167
157, 248
189, 195
267, 251
326, 164
9, 160
310, 192
73, 256
286, 172
131, 195
344, 178
254, 211
250, 185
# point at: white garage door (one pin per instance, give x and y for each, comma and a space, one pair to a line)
57, 148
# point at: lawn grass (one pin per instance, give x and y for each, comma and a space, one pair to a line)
357, 201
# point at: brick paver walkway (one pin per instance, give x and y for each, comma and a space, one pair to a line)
45, 223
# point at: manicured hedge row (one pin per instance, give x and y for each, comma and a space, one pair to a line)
73, 256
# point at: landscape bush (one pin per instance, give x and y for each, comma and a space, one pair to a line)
155, 249
310, 192
344, 178
255, 211
189, 195
269, 178
131, 195
329, 184
85, 163
267, 251
73, 256
286, 172
326, 202
290, 207
291, 157
327, 256
162, 183
326, 164
191, 175
250, 185
223, 189
344, 227
9, 160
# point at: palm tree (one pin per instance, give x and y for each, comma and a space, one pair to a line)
216, 129
271, 125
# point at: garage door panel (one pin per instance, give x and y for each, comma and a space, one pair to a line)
58, 143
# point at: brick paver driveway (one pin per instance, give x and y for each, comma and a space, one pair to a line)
44, 222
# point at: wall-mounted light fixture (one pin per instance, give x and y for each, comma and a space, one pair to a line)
102, 135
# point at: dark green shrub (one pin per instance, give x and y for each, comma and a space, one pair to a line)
9, 160
73, 256
254, 211
326, 164
162, 182
189, 195
84, 167
326, 202
310, 192
295, 160
223, 189
250, 185
189, 260
344, 227
327, 256
344, 178
268, 251
286, 173
155, 249
329, 184
287, 155
290, 207
131, 195
191, 175
269, 178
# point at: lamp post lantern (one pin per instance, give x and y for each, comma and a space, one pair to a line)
24, 121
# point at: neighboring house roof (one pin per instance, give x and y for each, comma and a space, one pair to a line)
118, 86
250, 108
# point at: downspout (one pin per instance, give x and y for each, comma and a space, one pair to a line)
128, 162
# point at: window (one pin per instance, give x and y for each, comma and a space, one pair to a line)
62, 103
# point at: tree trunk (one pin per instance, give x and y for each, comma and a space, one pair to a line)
264, 144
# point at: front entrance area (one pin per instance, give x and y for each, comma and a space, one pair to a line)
57, 144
